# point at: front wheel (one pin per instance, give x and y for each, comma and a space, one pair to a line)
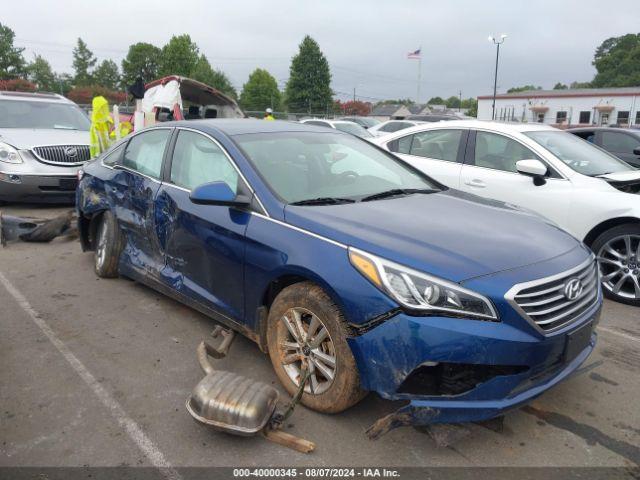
618, 253
306, 331
108, 246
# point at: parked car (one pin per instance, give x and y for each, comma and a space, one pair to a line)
434, 117
364, 122
44, 139
330, 252
391, 126
585, 190
622, 142
342, 125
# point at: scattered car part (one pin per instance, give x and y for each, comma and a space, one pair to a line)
238, 405
35, 230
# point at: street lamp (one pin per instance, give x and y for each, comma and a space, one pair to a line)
497, 43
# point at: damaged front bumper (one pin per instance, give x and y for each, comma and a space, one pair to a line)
457, 370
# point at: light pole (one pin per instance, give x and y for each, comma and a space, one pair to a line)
497, 43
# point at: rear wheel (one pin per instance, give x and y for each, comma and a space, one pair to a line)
108, 246
307, 331
618, 252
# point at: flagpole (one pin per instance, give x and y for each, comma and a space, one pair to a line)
419, 76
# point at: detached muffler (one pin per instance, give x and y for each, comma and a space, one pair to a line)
238, 405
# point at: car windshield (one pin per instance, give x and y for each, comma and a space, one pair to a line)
353, 128
580, 155
21, 114
369, 122
302, 166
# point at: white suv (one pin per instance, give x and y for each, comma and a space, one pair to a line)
585, 190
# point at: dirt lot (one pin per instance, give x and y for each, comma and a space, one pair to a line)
96, 372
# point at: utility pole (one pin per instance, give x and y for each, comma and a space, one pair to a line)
497, 43
419, 77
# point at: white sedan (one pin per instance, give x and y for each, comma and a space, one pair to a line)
391, 126
585, 190
342, 125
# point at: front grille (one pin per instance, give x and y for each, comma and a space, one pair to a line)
545, 303
62, 154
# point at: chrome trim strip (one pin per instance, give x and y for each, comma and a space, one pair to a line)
513, 292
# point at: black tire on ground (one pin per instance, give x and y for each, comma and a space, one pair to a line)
109, 243
344, 390
632, 261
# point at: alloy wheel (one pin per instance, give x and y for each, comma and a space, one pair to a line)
307, 342
619, 261
101, 248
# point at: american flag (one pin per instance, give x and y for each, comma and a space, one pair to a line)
415, 54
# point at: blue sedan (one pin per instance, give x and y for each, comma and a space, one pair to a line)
339, 259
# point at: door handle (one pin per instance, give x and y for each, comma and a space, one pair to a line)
476, 182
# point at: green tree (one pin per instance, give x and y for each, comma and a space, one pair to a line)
107, 75
524, 88
436, 101
39, 72
142, 61
205, 73
12, 62
617, 61
179, 57
63, 83
452, 102
260, 91
560, 86
580, 85
472, 105
309, 85
402, 101
83, 62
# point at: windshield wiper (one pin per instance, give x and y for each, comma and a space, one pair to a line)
396, 192
323, 201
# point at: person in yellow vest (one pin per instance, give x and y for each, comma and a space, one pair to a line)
268, 114
101, 123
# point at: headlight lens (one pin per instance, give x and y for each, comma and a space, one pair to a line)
419, 291
8, 154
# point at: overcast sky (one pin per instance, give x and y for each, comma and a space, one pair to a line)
366, 42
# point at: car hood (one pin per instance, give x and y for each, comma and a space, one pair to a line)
451, 234
622, 176
26, 138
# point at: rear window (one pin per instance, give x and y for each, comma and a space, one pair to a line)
22, 114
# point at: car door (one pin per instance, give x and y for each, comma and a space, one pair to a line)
621, 144
438, 153
132, 192
203, 245
489, 170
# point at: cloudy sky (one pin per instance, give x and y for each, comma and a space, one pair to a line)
366, 42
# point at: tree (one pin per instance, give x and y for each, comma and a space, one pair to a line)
142, 61
83, 62
260, 91
617, 61
17, 85
452, 102
205, 73
39, 72
356, 107
309, 85
179, 57
107, 75
580, 85
84, 95
11, 59
436, 101
560, 86
404, 101
524, 88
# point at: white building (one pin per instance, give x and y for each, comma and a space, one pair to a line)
583, 106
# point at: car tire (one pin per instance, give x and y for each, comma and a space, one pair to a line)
618, 253
109, 244
306, 304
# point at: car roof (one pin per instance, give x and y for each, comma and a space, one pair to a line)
242, 126
605, 129
34, 97
481, 124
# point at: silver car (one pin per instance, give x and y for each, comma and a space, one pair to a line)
44, 140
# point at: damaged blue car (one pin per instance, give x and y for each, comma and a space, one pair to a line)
341, 260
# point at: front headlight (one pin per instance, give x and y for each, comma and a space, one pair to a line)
419, 291
8, 154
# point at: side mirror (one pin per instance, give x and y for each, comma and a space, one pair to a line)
636, 151
533, 168
217, 193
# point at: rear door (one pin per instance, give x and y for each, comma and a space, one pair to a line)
133, 191
621, 144
203, 245
490, 171
438, 153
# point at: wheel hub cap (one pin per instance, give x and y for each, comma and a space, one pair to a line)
619, 266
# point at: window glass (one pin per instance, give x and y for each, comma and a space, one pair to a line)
353, 129
623, 118
561, 117
318, 123
588, 136
402, 145
500, 152
438, 144
619, 142
638, 117
198, 160
395, 126
25, 114
145, 151
585, 117
113, 156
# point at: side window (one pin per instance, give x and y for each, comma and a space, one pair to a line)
619, 142
389, 127
114, 156
589, 136
198, 160
500, 152
401, 145
438, 144
145, 151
